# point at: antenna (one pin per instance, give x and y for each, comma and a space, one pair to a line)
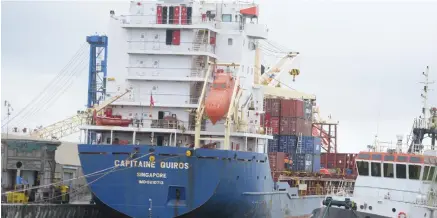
424, 95
9, 109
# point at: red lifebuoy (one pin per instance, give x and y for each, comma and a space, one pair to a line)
402, 215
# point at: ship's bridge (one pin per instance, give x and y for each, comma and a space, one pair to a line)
397, 176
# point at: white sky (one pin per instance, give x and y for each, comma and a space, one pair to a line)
361, 59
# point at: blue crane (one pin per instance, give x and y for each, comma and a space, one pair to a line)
97, 69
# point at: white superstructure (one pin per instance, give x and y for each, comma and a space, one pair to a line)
162, 51
396, 184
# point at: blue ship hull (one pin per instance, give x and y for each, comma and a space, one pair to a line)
209, 183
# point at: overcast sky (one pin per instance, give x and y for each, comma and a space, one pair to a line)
362, 60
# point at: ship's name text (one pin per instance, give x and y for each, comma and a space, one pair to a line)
149, 164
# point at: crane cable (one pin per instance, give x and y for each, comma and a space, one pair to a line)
61, 85
67, 84
58, 77
49, 100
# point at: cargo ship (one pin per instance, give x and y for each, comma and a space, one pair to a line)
192, 135
394, 181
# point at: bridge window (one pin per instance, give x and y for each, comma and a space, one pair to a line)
414, 171
428, 173
364, 156
389, 158
376, 169
388, 170
401, 171
363, 168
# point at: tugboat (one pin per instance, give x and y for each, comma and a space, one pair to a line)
397, 182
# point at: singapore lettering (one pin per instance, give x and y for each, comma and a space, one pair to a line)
149, 164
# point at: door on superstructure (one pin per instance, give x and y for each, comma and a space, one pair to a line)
160, 115
168, 37
183, 14
159, 14
176, 15
176, 39
171, 15
159, 140
164, 14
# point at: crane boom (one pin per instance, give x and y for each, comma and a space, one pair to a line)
272, 76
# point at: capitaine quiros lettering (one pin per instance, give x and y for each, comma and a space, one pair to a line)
149, 164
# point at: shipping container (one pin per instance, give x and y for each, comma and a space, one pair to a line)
292, 108
273, 106
265, 120
276, 161
317, 145
288, 144
307, 128
282, 143
291, 141
273, 144
341, 161
298, 109
308, 110
286, 105
298, 162
285, 126
307, 145
274, 122
316, 163
300, 126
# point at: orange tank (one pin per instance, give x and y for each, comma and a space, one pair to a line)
219, 97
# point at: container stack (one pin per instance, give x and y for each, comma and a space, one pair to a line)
289, 120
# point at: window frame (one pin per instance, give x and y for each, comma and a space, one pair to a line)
397, 170
368, 167
392, 168
410, 166
372, 164
430, 174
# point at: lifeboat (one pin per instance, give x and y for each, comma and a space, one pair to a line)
219, 98
110, 120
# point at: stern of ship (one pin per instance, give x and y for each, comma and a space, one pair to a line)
162, 181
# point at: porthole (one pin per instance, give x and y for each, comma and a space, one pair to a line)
370, 207
361, 207
393, 209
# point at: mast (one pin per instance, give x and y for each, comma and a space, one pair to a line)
424, 96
